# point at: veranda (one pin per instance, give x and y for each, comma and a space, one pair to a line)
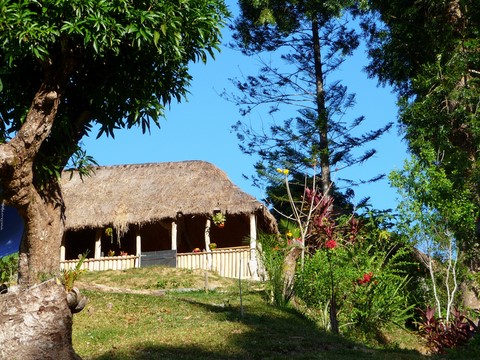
234, 262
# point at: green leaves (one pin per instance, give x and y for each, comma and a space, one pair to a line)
432, 204
115, 63
127, 59
434, 66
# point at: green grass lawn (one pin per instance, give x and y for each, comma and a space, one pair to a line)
204, 325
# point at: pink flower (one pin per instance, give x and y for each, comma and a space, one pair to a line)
331, 244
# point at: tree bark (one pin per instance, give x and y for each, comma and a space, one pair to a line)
36, 323
39, 256
322, 122
40, 208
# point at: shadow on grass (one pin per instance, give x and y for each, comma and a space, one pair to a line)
263, 333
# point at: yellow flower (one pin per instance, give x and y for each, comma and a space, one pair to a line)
280, 170
285, 171
289, 234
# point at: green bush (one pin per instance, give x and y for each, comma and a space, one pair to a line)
8, 268
368, 287
273, 252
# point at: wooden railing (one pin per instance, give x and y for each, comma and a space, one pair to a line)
227, 262
103, 263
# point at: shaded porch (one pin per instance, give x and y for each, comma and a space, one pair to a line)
227, 262
190, 237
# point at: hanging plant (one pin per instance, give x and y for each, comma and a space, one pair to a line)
109, 233
219, 219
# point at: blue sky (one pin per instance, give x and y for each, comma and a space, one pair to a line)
200, 129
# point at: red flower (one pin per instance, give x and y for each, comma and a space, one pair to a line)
366, 278
331, 244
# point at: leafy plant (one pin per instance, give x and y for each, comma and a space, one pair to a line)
441, 334
109, 231
369, 279
273, 253
218, 218
70, 275
8, 268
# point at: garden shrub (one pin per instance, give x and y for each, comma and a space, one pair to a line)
273, 252
441, 335
368, 283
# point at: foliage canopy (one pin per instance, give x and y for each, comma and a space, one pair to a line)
115, 63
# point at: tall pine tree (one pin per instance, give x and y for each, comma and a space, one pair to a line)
310, 40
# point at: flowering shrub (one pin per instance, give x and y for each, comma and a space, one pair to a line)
331, 244
368, 278
350, 271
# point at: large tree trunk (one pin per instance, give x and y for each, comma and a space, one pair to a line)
36, 323
40, 247
39, 204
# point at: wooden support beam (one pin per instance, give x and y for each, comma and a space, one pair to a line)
138, 250
208, 225
253, 263
98, 244
62, 250
174, 235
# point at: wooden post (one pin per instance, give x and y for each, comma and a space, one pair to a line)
98, 244
138, 247
62, 250
253, 263
208, 225
174, 235
240, 286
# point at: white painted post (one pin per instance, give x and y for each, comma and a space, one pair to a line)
174, 235
208, 224
253, 263
98, 244
62, 251
138, 247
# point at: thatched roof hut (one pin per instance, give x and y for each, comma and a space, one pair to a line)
150, 208
125, 195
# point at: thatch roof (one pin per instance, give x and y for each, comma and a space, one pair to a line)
144, 193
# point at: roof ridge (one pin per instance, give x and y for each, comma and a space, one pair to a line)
147, 164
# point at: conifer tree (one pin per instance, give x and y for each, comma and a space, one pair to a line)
306, 42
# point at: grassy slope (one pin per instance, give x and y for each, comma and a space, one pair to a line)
199, 325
